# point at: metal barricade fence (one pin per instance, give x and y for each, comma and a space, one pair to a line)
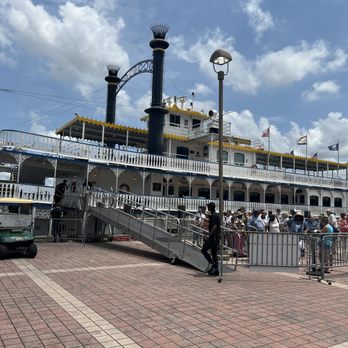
63, 229
315, 253
325, 252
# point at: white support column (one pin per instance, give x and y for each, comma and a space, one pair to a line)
229, 184
127, 138
210, 181
211, 150
190, 179
280, 194
167, 177
117, 173
143, 176
170, 147
103, 135
248, 184
83, 130
264, 187
19, 167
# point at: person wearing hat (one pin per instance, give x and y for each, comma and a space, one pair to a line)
298, 223
255, 222
332, 219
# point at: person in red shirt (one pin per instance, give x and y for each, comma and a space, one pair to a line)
342, 223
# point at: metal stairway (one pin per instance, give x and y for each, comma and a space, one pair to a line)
161, 231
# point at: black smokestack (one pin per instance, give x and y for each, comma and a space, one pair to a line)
157, 111
112, 81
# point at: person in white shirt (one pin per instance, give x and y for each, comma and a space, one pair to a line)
273, 224
332, 219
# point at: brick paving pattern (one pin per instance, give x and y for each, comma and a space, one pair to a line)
126, 295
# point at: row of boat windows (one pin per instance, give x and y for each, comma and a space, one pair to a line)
185, 152
240, 196
175, 121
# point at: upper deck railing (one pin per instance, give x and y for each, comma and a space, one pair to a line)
51, 146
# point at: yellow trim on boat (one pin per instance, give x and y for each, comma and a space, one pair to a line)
6, 200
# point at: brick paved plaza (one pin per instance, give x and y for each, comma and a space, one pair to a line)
125, 295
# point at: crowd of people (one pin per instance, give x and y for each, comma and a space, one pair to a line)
268, 221
262, 221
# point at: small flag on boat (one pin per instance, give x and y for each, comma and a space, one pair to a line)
334, 147
315, 155
292, 152
302, 140
266, 133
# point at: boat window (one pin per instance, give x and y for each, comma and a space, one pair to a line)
182, 152
174, 120
123, 188
338, 202
239, 196
205, 151
204, 192
284, 199
239, 159
255, 196
14, 209
314, 201
195, 123
225, 194
326, 201
184, 191
224, 156
269, 197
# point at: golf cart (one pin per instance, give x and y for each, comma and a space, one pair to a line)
16, 227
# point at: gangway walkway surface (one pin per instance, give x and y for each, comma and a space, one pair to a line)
162, 231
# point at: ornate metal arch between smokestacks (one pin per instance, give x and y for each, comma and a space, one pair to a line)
145, 66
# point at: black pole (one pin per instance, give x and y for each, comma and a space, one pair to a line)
157, 111
112, 81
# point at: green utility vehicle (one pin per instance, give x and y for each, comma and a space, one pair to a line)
16, 227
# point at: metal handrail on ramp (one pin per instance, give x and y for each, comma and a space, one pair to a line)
162, 231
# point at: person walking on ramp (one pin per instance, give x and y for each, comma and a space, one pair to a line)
212, 241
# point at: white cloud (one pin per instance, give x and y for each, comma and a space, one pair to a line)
258, 19
245, 124
75, 45
201, 89
292, 63
273, 69
241, 76
339, 61
320, 90
38, 127
105, 6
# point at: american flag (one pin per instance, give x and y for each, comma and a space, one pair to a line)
266, 133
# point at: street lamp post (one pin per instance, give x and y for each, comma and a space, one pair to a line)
218, 59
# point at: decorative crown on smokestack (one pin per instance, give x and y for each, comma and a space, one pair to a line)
113, 69
113, 80
159, 31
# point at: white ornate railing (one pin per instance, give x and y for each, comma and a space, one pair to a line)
192, 204
36, 193
45, 195
98, 154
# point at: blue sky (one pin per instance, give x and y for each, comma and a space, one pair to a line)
289, 67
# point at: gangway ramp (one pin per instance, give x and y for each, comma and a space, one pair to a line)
161, 231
